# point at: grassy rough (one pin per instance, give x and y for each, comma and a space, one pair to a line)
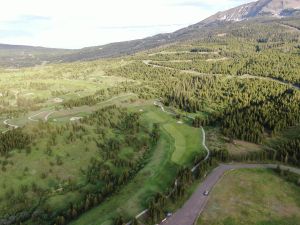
254, 196
158, 173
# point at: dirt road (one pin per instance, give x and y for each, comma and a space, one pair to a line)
151, 63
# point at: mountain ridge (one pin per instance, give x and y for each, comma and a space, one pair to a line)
23, 56
273, 8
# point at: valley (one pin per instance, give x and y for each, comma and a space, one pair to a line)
198, 126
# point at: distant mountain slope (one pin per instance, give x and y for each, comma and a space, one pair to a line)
22, 56
260, 12
275, 8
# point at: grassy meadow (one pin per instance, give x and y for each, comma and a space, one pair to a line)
157, 175
252, 197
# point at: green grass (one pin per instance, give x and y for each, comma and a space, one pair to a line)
64, 115
75, 155
255, 196
158, 173
287, 134
34, 89
156, 176
187, 142
187, 139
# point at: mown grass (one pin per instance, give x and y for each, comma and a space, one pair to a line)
133, 198
187, 142
159, 171
255, 196
157, 175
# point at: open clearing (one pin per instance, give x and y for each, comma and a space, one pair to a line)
256, 196
242, 147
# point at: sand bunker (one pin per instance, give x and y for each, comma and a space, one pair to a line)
57, 100
75, 118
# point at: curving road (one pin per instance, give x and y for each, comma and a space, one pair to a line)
49, 114
190, 211
35, 120
161, 106
205, 147
150, 63
9, 125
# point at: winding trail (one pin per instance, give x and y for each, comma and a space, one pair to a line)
6, 123
160, 104
49, 114
116, 97
31, 118
191, 210
204, 144
205, 147
35, 120
247, 76
10, 125
293, 28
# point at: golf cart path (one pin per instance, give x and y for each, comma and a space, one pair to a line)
206, 149
10, 125
35, 120
247, 76
49, 114
191, 210
6, 123
161, 106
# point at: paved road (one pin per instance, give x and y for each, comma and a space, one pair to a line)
189, 213
159, 104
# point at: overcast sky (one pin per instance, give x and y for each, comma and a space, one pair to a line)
82, 23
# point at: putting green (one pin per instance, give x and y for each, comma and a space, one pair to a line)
187, 142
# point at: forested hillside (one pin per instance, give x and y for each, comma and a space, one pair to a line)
256, 28
247, 84
99, 142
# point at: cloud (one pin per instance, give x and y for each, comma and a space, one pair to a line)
81, 23
13, 33
140, 26
23, 26
25, 20
210, 4
200, 4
